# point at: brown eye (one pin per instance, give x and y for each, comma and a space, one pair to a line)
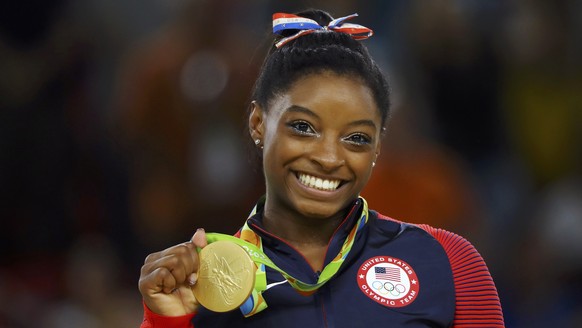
358, 139
302, 127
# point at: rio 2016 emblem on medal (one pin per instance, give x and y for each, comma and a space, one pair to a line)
388, 281
226, 276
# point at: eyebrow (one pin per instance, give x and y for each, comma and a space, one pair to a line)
299, 109
363, 122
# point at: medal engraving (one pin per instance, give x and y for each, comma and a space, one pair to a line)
226, 276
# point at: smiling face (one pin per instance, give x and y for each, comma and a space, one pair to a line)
320, 139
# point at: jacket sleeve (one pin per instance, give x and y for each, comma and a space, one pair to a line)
154, 320
477, 302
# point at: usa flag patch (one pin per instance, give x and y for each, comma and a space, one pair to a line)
389, 281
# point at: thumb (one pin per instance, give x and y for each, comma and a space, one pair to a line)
199, 238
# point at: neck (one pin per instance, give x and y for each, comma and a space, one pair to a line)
300, 231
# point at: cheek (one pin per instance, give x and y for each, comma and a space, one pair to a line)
363, 167
280, 150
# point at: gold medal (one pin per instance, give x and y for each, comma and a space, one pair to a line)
226, 276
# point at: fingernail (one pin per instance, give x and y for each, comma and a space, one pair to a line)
200, 229
192, 279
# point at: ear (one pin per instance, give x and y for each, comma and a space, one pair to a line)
256, 122
378, 148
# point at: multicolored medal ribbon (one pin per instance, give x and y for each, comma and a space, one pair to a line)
252, 243
283, 21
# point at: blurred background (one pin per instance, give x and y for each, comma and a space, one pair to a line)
122, 130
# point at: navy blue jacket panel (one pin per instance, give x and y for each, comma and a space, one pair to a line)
396, 275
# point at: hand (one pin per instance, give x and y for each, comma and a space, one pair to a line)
167, 278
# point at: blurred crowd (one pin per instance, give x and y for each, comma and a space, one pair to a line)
123, 129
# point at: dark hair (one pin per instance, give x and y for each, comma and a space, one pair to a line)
317, 52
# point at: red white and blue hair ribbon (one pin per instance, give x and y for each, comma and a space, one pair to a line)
282, 21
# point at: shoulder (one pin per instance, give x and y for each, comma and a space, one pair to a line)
477, 300
457, 248
462, 255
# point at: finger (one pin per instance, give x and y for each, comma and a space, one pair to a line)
152, 257
180, 261
199, 238
192, 279
160, 280
182, 248
185, 252
156, 256
168, 281
181, 265
173, 263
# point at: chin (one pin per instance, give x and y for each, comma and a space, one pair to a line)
319, 209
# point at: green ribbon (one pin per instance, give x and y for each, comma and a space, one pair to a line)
256, 302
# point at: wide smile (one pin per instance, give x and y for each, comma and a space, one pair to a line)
318, 183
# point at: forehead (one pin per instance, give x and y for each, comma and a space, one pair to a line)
324, 91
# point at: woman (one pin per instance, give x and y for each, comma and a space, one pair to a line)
319, 110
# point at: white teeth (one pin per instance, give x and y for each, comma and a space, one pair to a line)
318, 183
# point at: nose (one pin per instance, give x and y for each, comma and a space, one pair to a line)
327, 153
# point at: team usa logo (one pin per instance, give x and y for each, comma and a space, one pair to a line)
388, 281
